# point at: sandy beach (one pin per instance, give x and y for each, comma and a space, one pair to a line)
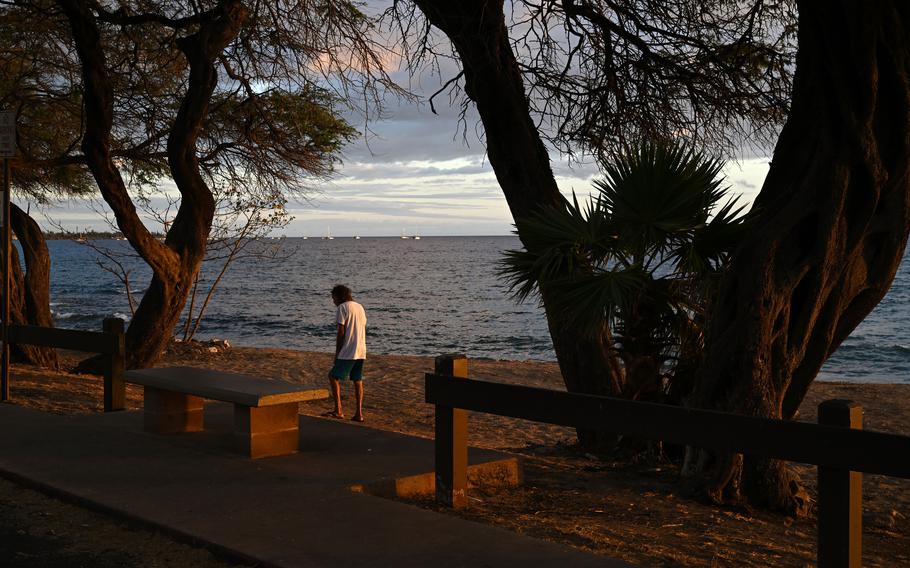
632, 511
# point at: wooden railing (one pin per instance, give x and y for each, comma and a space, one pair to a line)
837, 445
109, 342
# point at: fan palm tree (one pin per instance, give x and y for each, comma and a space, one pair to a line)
641, 257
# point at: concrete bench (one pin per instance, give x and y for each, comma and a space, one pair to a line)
265, 411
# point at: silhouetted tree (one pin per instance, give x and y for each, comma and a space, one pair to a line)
225, 100
590, 76
41, 92
833, 215
642, 258
830, 230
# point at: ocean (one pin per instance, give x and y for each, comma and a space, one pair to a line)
422, 297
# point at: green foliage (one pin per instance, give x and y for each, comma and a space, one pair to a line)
643, 256
272, 141
47, 104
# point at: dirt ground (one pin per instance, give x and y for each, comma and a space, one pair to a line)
632, 511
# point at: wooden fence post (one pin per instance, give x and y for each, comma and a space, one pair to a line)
114, 387
452, 440
840, 497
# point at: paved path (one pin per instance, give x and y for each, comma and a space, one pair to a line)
287, 511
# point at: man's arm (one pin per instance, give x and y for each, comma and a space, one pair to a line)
339, 339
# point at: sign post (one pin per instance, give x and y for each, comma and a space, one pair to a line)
7, 151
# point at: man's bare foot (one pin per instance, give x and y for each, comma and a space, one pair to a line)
357, 418
333, 414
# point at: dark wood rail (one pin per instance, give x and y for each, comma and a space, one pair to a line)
837, 445
89, 341
832, 446
109, 342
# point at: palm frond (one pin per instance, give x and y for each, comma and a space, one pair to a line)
659, 194
590, 300
706, 252
643, 256
558, 243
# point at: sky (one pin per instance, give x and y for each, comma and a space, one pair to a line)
417, 173
421, 175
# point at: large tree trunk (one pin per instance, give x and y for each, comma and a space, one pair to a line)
163, 303
174, 264
33, 302
831, 227
519, 158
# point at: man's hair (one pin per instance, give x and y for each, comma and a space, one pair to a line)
342, 292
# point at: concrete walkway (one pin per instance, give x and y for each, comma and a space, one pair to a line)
288, 511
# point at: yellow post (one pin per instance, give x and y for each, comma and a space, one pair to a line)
840, 497
452, 440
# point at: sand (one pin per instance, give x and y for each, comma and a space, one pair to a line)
633, 511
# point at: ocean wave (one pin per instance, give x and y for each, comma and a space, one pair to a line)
871, 349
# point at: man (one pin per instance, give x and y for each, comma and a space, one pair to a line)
350, 350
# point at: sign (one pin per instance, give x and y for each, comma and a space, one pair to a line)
7, 134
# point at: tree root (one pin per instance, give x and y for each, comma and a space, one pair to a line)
731, 479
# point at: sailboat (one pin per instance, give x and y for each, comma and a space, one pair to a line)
328, 234
404, 236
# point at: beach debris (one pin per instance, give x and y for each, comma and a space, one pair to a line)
198, 347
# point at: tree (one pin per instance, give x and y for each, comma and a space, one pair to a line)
240, 233
48, 119
147, 76
643, 258
831, 221
590, 76
175, 263
830, 232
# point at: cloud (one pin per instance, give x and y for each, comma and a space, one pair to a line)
424, 172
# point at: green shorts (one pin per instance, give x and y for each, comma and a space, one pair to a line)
347, 368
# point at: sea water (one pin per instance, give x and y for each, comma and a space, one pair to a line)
422, 297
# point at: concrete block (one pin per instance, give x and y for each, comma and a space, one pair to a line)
490, 475
266, 431
265, 418
168, 412
262, 445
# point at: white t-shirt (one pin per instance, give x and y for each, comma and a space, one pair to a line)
354, 319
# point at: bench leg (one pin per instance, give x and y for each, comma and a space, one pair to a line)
267, 430
169, 412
